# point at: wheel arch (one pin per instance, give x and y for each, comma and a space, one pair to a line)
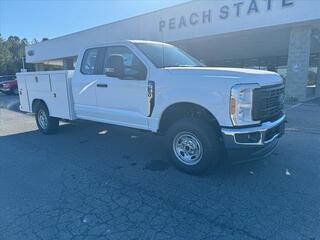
180, 110
36, 103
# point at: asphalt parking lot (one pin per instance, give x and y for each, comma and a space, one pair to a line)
95, 181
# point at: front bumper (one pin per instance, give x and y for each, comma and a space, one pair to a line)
253, 142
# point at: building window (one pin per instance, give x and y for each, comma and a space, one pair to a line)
282, 67
313, 74
52, 65
252, 63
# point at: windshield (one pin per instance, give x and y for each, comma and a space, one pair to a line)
164, 55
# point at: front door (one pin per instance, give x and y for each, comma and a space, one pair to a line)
124, 100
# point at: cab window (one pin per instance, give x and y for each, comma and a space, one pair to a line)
134, 69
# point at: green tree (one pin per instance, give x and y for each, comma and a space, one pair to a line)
12, 53
5, 56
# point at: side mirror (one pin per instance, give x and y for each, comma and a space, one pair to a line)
115, 66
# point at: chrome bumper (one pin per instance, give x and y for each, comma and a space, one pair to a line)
264, 134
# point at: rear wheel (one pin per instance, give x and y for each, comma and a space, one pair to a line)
45, 123
193, 145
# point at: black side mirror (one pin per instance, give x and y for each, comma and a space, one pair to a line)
115, 66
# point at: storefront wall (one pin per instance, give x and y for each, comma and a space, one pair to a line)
299, 67
286, 50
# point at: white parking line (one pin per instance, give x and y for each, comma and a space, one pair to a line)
301, 103
293, 106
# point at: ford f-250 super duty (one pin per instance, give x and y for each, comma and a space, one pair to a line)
153, 86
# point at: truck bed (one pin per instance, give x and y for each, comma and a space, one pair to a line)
53, 87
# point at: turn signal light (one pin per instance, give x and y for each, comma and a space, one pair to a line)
232, 106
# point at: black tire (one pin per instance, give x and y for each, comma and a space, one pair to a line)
48, 126
199, 133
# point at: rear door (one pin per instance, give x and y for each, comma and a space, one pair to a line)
124, 101
84, 84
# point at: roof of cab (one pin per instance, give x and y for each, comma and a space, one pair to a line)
124, 42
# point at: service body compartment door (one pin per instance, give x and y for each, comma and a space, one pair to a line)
51, 87
23, 94
38, 82
59, 96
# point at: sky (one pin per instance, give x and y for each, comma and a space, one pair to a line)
53, 18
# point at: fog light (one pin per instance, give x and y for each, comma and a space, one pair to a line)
254, 137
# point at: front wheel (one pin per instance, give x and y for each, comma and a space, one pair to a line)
193, 145
45, 123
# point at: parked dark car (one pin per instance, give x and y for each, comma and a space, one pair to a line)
7, 78
9, 87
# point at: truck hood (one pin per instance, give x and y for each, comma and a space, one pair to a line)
236, 75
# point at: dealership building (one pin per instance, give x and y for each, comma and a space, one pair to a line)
276, 35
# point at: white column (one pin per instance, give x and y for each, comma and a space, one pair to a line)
318, 80
298, 63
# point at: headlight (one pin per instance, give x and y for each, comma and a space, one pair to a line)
6, 85
241, 104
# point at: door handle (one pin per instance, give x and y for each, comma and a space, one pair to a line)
102, 85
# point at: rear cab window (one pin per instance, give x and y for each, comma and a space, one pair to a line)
90, 61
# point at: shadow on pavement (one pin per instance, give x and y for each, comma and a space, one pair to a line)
10, 102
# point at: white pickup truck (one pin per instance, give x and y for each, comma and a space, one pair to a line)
157, 87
